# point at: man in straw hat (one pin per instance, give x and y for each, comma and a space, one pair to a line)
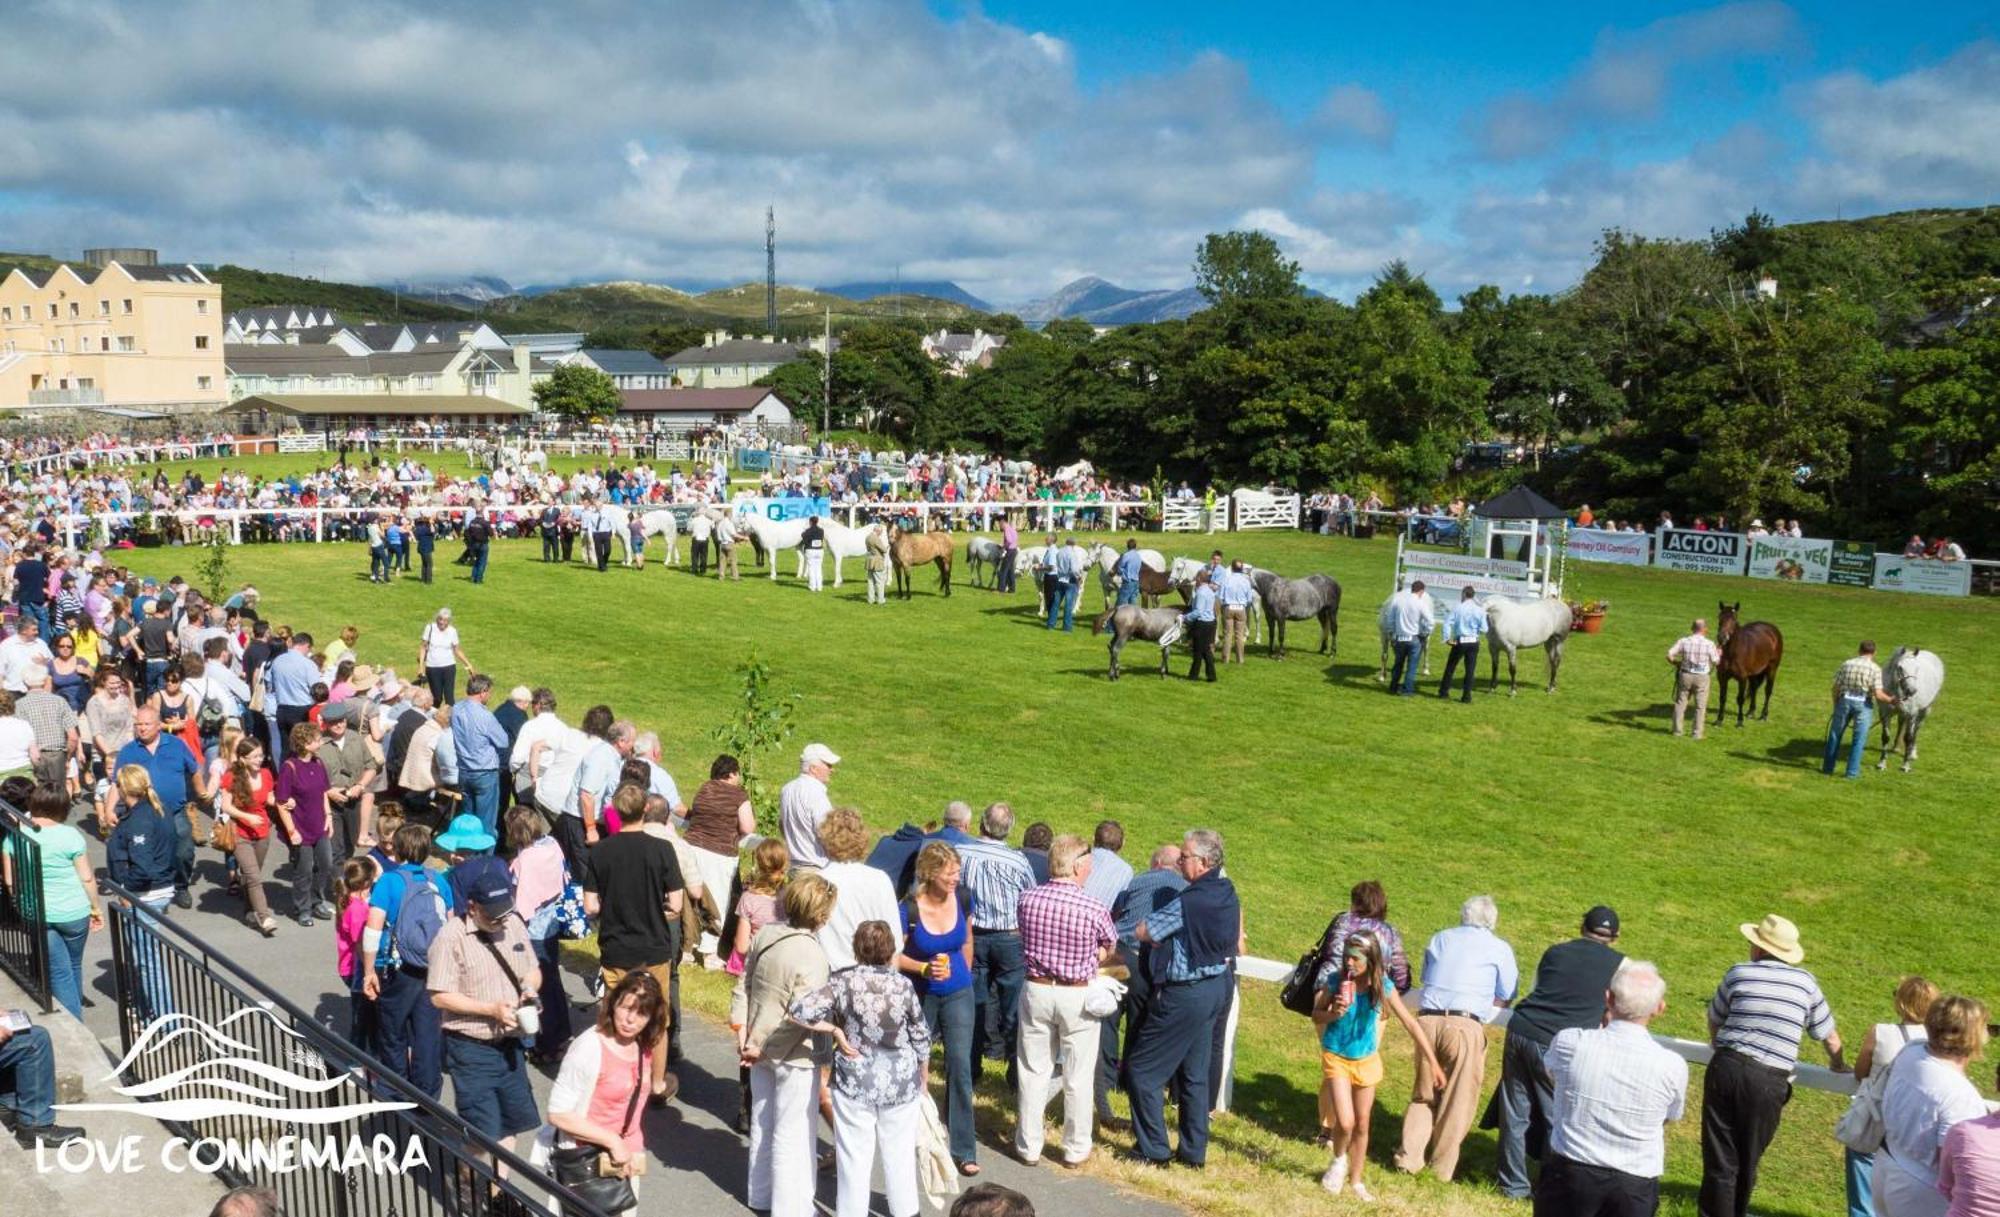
1760, 1012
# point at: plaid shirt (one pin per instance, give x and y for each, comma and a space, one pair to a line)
1858, 677
50, 716
1062, 930
1697, 654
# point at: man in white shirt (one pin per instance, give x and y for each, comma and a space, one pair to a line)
1615, 1092
21, 652
1410, 622
221, 683
1469, 977
542, 728
803, 803
557, 760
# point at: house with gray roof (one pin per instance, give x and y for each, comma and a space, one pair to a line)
630, 369
725, 362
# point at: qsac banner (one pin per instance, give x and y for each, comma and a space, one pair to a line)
1895, 573
1795, 559
1597, 545
793, 508
1707, 553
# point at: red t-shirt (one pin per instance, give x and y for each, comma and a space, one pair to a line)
259, 807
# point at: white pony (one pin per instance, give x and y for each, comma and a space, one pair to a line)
980, 553
843, 542
769, 536
1513, 624
1070, 473
1387, 620
1915, 677
659, 523
515, 458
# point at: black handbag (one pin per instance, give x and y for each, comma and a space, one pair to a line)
576, 1167
1299, 991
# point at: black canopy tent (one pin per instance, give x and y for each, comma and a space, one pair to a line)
1520, 503
1519, 514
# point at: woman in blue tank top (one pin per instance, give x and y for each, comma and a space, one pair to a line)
937, 957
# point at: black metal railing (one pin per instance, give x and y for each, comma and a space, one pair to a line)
421, 1159
24, 927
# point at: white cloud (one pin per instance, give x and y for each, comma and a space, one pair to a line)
1927, 137
1352, 113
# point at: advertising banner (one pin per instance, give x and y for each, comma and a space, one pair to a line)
1853, 564
792, 508
1707, 553
1895, 573
1794, 559
1445, 584
1496, 567
1597, 545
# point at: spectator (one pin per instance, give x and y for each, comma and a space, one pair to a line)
357, 882
23, 651
1109, 873
1926, 1094
1758, 1014
28, 1079
717, 822
785, 964
1197, 934
540, 878
1469, 977
247, 1202
55, 728
633, 886
412, 1037
1969, 1168
937, 954
175, 774
991, 1200
482, 974
1616, 1090
107, 720
1065, 934
1035, 842
954, 826
603, 1077
350, 771
995, 877
1951, 551
69, 893
1915, 548
1913, 999
243, 800
879, 1071
439, 655
803, 803
289, 683
1570, 983
481, 743
1348, 1012
301, 795
1141, 898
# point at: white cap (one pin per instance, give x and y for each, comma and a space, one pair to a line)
818, 754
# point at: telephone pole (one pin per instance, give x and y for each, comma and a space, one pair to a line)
826, 376
771, 271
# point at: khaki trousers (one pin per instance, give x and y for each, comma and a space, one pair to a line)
725, 564
1235, 629
1695, 684
1436, 1124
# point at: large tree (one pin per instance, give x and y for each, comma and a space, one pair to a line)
1244, 266
578, 391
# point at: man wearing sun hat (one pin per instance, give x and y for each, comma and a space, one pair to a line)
803, 803
1760, 1012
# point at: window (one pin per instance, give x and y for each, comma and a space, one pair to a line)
204, 382
128, 306
75, 310
125, 343
104, 308
86, 382
54, 312
201, 342
7, 314
103, 343
201, 307
56, 345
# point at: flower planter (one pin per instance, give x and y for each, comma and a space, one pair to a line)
1588, 623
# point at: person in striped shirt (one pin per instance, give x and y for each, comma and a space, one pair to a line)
996, 874
1694, 658
1756, 1019
1857, 686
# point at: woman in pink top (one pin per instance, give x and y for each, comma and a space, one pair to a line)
1969, 1167
601, 1090
540, 875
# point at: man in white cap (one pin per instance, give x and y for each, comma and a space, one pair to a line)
1759, 1013
803, 803
440, 656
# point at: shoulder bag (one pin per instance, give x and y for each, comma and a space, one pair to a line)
580, 1168
1860, 1127
1299, 988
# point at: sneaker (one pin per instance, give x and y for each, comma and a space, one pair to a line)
184, 899
1362, 1193
1335, 1177
323, 909
30, 1136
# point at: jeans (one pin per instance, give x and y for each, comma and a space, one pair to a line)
39, 614
1008, 558
1848, 711
426, 555
1860, 1178
28, 1077
556, 1030
154, 676
1466, 653
1527, 1102
149, 960
1403, 677
481, 788
1062, 602
66, 940
951, 1018
479, 564
183, 851
442, 682
998, 972
411, 1035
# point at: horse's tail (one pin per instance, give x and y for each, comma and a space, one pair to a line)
1103, 619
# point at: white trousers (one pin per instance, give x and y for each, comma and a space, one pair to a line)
717, 871
1054, 1027
784, 1163
860, 1129
815, 567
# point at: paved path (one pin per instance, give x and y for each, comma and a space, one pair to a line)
699, 1157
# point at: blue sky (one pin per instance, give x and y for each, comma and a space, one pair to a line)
1010, 145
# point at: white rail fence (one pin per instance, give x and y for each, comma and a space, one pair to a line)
1186, 515
1254, 509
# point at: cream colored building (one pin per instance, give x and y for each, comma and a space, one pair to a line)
723, 362
134, 337
432, 370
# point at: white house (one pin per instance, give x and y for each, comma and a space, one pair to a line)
686, 409
960, 353
723, 362
631, 369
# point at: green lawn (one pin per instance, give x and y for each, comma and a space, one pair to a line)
1318, 779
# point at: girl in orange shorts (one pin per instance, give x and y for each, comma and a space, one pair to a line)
1348, 1013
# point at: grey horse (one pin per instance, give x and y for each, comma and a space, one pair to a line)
1129, 621
1915, 677
1298, 600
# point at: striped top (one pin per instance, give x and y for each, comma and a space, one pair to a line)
997, 874
1762, 1008
1695, 654
1858, 677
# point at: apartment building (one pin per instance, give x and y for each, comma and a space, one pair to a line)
119, 337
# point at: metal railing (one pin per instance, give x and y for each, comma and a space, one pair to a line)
443, 1166
24, 928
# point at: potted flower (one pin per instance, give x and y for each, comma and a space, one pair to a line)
1587, 617
146, 531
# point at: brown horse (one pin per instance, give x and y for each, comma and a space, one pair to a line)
1750, 656
909, 550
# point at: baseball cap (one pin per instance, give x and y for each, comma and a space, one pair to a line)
1601, 919
818, 754
486, 882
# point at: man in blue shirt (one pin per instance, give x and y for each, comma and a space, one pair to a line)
409, 1027
1469, 977
1141, 898
1128, 572
481, 743
1200, 622
175, 774
289, 683
1464, 626
1236, 593
1062, 582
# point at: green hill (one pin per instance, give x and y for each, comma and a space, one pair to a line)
629, 308
245, 288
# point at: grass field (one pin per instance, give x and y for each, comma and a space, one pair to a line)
1318, 779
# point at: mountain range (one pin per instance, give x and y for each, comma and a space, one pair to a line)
1100, 303
936, 289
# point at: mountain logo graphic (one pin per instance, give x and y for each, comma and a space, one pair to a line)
261, 1089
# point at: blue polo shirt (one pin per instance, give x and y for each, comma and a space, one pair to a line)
168, 763
388, 894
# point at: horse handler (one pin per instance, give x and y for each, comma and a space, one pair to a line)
1694, 658
1857, 686
1236, 592
1200, 619
878, 566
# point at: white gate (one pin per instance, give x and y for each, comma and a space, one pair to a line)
299, 441
672, 450
1251, 509
1183, 515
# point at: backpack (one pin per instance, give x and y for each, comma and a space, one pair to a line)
209, 715
418, 920
478, 531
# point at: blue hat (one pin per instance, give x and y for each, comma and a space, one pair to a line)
466, 835
486, 882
